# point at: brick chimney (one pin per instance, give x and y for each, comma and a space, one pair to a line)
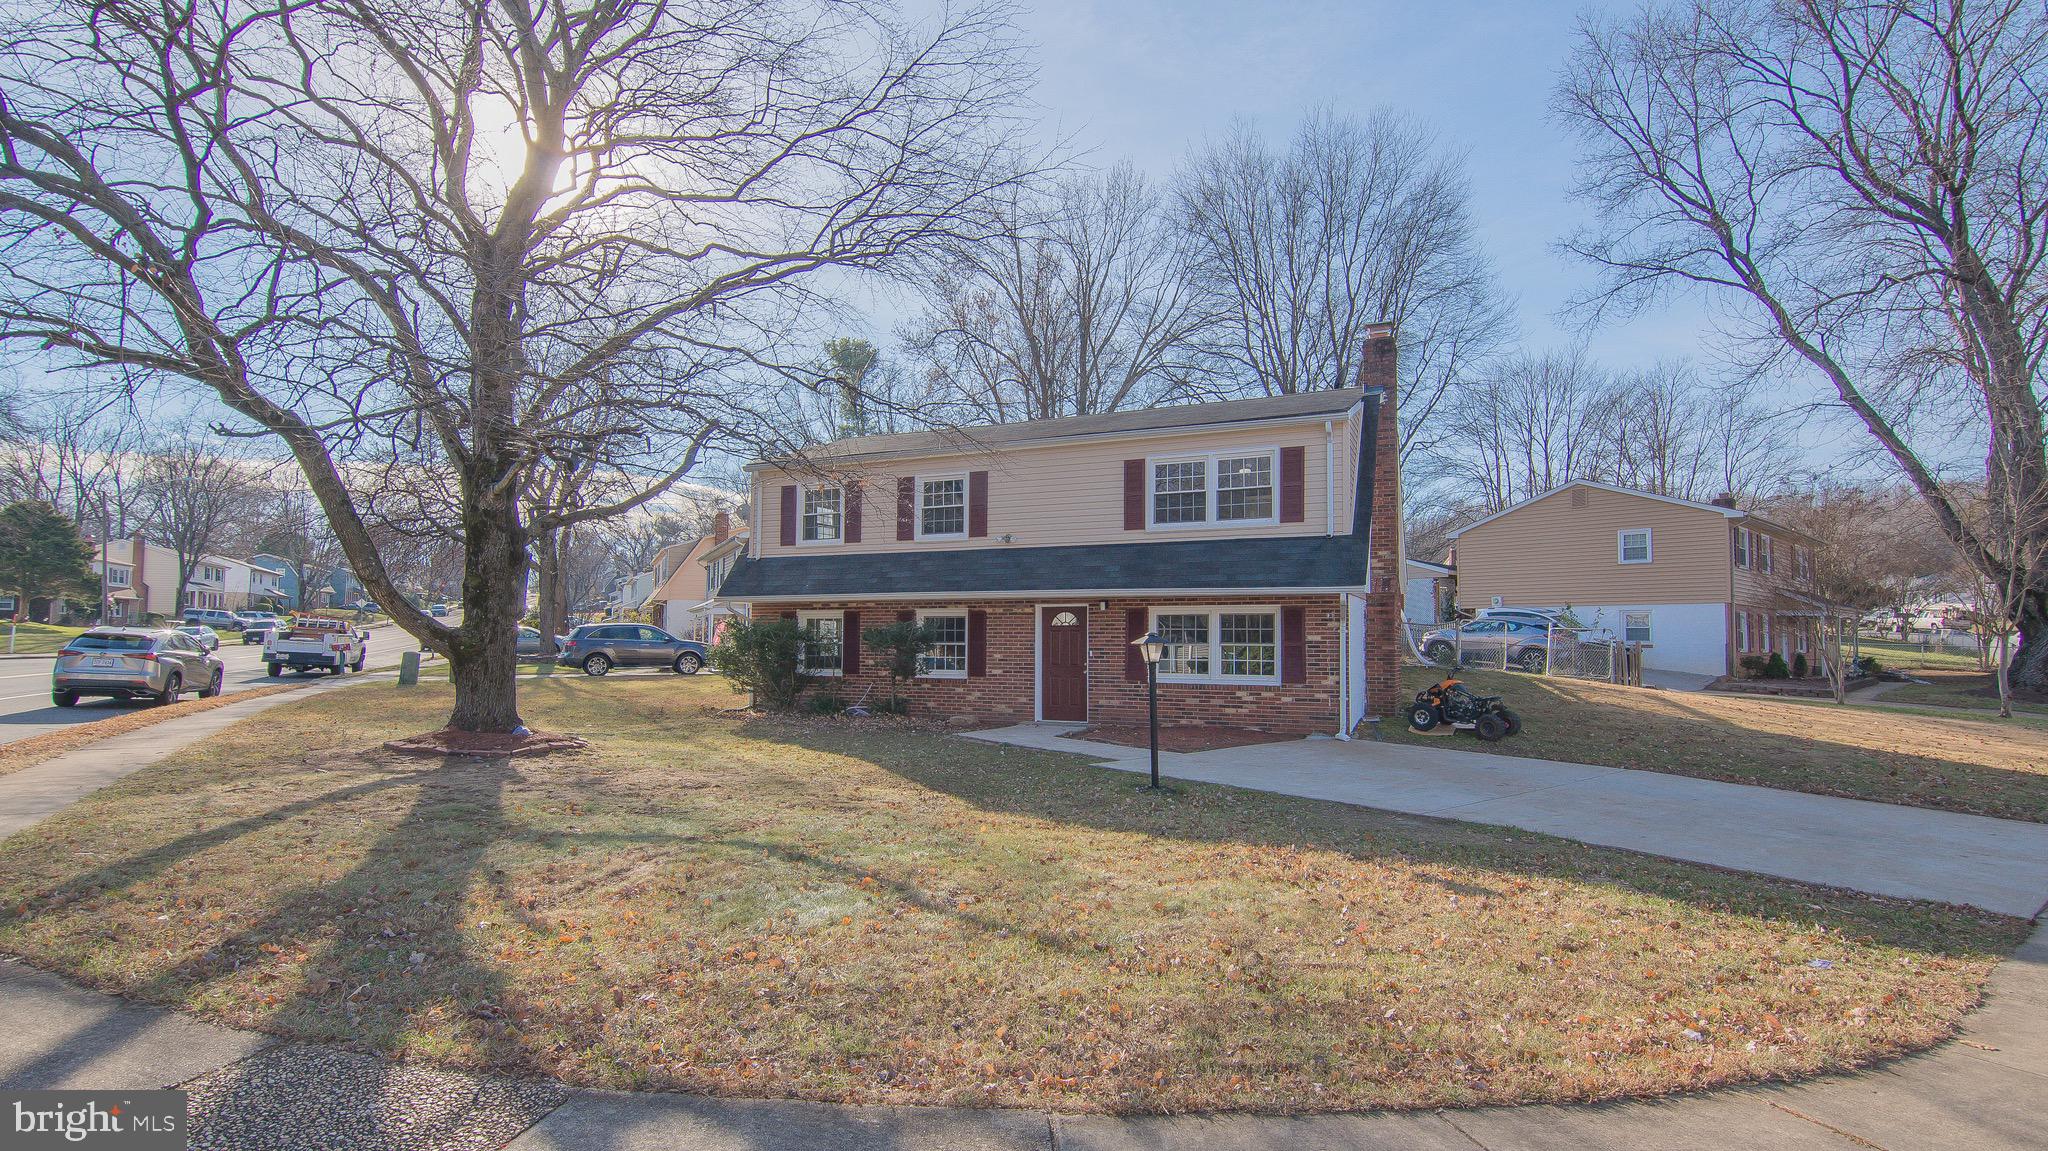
1383, 642
721, 526
1725, 500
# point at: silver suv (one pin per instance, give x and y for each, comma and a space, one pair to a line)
134, 663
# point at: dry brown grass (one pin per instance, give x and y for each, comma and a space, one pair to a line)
1963, 763
845, 910
37, 748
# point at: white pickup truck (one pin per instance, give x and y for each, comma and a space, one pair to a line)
316, 642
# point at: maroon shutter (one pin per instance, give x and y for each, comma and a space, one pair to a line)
1134, 496
906, 508
1134, 660
849, 643
1293, 479
1293, 645
852, 529
977, 503
977, 643
789, 515
906, 617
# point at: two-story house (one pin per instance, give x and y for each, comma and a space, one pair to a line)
1259, 537
682, 600
1700, 585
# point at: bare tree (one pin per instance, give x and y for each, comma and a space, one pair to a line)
1674, 434
1529, 424
1358, 222
1082, 305
1862, 184
194, 494
482, 230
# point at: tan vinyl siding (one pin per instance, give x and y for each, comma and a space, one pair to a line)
1754, 586
1550, 553
1042, 496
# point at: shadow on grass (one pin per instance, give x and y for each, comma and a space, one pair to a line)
1035, 785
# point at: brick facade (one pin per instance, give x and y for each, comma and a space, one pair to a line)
1008, 691
1383, 639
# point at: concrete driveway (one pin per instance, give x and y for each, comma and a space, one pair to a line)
1996, 864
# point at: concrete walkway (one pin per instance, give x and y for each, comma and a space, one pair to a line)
253, 1092
1997, 864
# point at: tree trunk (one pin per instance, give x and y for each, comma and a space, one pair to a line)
548, 545
483, 660
2028, 668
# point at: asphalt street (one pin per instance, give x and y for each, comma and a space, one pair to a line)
26, 710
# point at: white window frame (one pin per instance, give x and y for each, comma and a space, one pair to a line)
1211, 490
1214, 612
1742, 632
965, 497
838, 618
803, 499
966, 639
126, 573
1803, 558
1626, 627
1767, 648
1621, 546
1765, 547
1742, 548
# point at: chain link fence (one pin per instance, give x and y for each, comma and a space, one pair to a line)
1576, 653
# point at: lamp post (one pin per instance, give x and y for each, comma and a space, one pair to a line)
1153, 649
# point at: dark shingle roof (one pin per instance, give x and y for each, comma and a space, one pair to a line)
1192, 565
982, 437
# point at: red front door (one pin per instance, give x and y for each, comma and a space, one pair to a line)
1063, 662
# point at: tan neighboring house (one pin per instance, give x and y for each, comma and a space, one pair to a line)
1700, 585
681, 599
138, 578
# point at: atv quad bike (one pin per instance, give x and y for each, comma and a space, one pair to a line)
1450, 702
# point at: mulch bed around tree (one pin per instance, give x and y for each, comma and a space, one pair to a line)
1191, 737
449, 741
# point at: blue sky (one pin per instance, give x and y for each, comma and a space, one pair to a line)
1148, 80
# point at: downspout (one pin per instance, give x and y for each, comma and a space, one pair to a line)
1344, 640
1330, 478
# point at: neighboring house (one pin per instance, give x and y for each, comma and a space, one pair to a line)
138, 579
1422, 591
266, 585
1700, 585
631, 592
681, 602
718, 560
1253, 535
286, 577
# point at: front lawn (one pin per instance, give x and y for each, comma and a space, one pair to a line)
1984, 766
1892, 653
848, 910
37, 638
1967, 689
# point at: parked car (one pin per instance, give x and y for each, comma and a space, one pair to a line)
160, 664
258, 631
597, 648
529, 642
441, 609
255, 617
214, 618
316, 642
1523, 644
209, 639
1540, 616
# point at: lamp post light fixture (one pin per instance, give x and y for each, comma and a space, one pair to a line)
1153, 649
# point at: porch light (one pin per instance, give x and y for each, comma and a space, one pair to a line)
1153, 649
1150, 646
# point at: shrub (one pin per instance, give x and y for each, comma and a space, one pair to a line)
825, 703
1799, 666
762, 656
901, 645
1752, 666
1868, 665
1774, 667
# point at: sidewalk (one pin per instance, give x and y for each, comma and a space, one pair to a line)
250, 1092
1914, 853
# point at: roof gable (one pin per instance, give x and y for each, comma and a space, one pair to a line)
1717, 509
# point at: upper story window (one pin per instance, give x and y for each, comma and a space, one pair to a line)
1804, 559
117, 576
1763, 551
1220, 488
820, 516
1742, 547
1632, 546
941, 507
